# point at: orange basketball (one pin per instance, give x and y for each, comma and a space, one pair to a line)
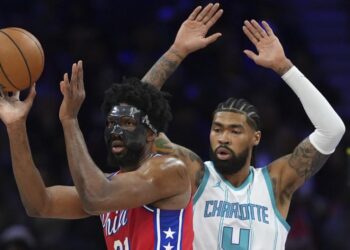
21, 59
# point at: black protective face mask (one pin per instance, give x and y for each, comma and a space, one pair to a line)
229, 166
133, 137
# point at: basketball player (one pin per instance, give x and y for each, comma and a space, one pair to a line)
147, 204
236, 205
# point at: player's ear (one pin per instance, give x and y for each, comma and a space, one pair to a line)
256, 138
151, 136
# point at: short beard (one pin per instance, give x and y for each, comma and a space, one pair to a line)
232, 165
126, 161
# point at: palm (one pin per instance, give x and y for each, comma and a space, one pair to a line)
12, 109
269, 51
192, 34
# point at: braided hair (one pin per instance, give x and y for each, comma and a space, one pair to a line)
241, 106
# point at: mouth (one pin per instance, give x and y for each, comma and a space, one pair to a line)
118, 147
223, 153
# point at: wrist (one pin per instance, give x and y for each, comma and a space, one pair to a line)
283, 66
179, 52
68, 121
15, 125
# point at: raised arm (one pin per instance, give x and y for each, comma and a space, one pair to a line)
191, 37
290, 172
38, 200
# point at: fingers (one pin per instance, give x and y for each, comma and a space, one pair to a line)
74, 86
256, 33
2, 95
15, 95
204, 12
250, 54
260, 30
74, 76
212, 38
211, 13
62, 87
80, 75
65, 79
214, 18
250, 35
31, 95
195, 13
267, 28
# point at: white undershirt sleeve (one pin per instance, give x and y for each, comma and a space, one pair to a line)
329, 126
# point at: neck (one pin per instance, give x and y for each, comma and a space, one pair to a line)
238, 178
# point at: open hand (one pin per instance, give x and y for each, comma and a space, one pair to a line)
192, 33
270, 51
12, 109
73, 92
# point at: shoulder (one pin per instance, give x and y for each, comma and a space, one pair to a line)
163, 166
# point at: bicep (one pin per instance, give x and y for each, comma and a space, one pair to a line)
294, 169
63, 202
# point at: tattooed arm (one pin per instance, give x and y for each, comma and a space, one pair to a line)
290, 172
190, 38
193, 162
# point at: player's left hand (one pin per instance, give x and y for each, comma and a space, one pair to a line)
270, 51
73, 92
192, 34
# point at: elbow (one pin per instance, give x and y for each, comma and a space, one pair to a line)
341, 129
338, 130
91, 207
94, 206
93, 201
38, 209
35, 212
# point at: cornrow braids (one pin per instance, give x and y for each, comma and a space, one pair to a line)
241, 106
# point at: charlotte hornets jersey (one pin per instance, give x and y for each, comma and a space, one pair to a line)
237, 218
148, 228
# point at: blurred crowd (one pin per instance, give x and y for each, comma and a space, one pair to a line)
125, 38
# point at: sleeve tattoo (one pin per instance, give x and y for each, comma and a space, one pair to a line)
306, 160
163, 69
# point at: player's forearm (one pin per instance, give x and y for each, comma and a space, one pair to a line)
329, 126
29, 181
164, 67
88, 178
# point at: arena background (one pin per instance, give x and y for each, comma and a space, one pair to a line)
125, 38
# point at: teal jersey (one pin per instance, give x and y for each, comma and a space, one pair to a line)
237, 218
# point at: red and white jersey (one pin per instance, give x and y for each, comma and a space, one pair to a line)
148, 228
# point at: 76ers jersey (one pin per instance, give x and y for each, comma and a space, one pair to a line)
148, 228
237, 218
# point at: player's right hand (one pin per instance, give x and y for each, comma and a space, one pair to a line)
12, 109
192, 34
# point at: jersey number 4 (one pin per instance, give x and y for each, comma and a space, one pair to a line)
243, 243
118, 245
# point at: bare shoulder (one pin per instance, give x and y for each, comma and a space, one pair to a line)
163, 167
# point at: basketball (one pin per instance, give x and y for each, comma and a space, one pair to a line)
21, 59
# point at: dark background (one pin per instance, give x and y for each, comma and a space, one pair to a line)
125, 38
